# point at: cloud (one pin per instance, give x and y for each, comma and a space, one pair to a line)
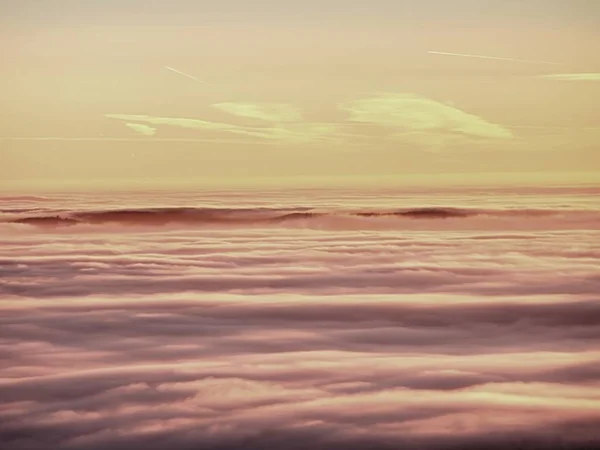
142, 129
412, 113
446, 335
270, 112
572, 76
494, 58
195, 124
304, 133
292, 133
185, 74
474, 266
423, 123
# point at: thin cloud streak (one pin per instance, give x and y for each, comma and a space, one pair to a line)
493, 57
186, 75
572, 76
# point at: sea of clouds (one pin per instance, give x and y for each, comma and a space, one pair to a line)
445, 333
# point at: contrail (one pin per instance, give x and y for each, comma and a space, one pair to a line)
185, 74
494, 57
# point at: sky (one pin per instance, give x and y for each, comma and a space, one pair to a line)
114, 93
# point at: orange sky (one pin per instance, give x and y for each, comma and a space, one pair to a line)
111, 93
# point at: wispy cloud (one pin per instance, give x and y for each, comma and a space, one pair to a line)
409, 118
304, 133
287, 132
196, 124
572, 76
185, 74
270, 112
493, 57
409, 112
142, 129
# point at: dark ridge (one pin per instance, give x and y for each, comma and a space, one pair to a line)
422, 213
140, 216
240, 216
435, 213
50, 221
297, 216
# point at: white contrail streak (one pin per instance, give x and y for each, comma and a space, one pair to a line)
185, 74
494, 57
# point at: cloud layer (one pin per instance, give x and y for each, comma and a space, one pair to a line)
120, 337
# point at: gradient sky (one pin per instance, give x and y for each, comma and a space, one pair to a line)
107, 91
